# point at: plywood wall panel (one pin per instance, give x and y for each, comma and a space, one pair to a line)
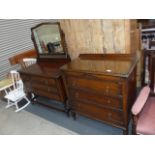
98, 36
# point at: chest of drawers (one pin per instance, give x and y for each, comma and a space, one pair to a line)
45, 80
103, 88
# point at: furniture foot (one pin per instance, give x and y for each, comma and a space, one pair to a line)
125, 132
74, 115
68, 112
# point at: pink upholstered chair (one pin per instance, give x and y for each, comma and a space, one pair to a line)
143, 112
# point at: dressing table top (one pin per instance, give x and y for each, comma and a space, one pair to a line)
44, 69
115, 66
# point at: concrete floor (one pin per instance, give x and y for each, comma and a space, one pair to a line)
26, 123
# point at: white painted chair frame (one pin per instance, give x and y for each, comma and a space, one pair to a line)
16, 92
28, 62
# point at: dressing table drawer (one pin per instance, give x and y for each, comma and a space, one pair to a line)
45, 88
96, 112
98, 99
107, 87
41, 80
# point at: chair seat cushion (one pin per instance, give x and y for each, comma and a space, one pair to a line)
146, 121
15, 95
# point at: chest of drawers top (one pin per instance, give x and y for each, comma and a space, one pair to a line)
119, 65
44, 69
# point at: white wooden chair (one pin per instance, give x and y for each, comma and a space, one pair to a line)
16, 93
28, 62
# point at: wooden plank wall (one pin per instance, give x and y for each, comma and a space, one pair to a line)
98, 35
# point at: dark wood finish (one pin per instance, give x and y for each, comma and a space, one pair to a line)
44, 79
19, 57
96, 92
152, 73
42, 57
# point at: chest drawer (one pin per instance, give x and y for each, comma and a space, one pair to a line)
93, 98
105, 86
41, 80
103, 114
46, 94
45, 88
25, 78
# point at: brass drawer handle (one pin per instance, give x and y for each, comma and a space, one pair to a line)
73, 83
109, 101
46, 82
77, 95
109, 115
89, 75
107, 89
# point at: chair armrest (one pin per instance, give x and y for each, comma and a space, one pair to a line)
141, 100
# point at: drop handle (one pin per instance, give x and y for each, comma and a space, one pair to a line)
109, 101
107, 89
73, 83
48, 89
77, 95
88, 75
109, 115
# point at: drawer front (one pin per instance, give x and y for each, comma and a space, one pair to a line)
99, 99
102, 114
45, 88
107, 87
46, 94
45, 81
27, 84
25, 77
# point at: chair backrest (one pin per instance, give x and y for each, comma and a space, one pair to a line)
17, 82
152, 73
28, 62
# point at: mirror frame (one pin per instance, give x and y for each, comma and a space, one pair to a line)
63, 43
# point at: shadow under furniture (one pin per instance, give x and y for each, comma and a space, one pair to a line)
102, 87
44, 78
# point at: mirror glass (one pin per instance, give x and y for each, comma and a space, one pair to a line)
48, 39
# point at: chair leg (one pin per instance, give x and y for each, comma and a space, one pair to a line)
28, 102
9, 104
16, 104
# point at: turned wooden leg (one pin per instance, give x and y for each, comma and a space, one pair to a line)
74, 115
68, 112
125, 132
33, 98
134, 120
67, 109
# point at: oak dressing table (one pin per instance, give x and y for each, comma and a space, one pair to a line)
44, 78
102, 87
